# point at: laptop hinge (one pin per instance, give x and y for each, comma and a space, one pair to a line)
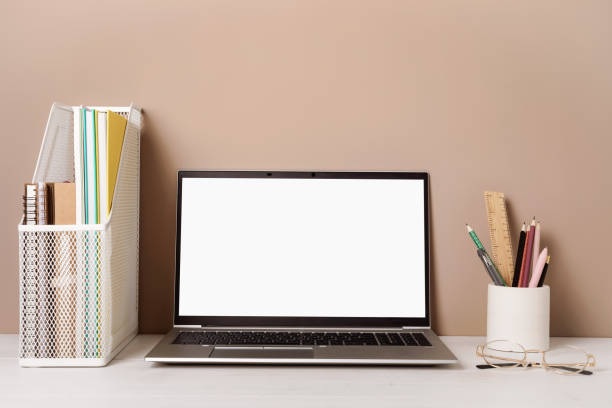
199, 326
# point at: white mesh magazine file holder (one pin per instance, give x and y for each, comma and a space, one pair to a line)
78, 291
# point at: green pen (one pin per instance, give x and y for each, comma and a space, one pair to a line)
474, 237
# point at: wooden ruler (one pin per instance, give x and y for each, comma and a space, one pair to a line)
499, 232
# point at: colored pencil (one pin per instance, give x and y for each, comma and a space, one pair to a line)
519, 256
526, 266
539, 267
536, 246
543, 276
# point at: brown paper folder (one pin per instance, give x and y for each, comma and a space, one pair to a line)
63, 203
64, 283
63, 212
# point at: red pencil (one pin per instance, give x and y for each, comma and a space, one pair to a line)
526, 265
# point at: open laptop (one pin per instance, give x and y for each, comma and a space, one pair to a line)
302, 268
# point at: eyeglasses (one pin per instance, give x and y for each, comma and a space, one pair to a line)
507, 354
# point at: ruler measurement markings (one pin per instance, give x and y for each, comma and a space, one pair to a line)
499, 233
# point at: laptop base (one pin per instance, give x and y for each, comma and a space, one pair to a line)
167, 352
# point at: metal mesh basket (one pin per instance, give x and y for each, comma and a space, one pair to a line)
79, 283
64, 294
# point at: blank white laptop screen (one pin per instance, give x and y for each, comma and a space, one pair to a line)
302, 247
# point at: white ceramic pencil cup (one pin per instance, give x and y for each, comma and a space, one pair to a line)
520, 315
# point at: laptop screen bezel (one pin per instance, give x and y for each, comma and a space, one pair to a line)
267, 321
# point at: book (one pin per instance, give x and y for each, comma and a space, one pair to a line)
79, 273
63, 212
64, 284
29, 288
116, 133
62, 202
29, 204
44, 270
42, 204
91, 243
78, 114
90, 168
28, 259
104, 207
88, 303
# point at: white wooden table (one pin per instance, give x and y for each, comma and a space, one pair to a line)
129, 381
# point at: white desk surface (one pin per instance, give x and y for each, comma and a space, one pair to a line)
129, 381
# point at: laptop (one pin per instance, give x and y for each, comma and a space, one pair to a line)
316, 268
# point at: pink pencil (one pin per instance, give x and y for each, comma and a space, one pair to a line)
537, 271
536, 247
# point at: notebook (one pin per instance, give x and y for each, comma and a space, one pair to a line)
302, 268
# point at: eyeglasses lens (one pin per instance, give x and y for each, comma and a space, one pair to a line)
504, 354
566, 360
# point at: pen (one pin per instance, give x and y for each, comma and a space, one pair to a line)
537, 271
519, 257
474, 237
490, 266
541, 282
536, 247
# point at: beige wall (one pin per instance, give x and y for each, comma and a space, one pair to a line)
514, 96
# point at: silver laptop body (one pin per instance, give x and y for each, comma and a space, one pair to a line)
302, 268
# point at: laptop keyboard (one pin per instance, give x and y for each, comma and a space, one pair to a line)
284, 338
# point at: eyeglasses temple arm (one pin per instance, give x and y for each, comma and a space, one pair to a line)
485, 366
574, 370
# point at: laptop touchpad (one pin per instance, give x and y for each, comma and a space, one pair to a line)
262, 352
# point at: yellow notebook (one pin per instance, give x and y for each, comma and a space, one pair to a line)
116, 131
